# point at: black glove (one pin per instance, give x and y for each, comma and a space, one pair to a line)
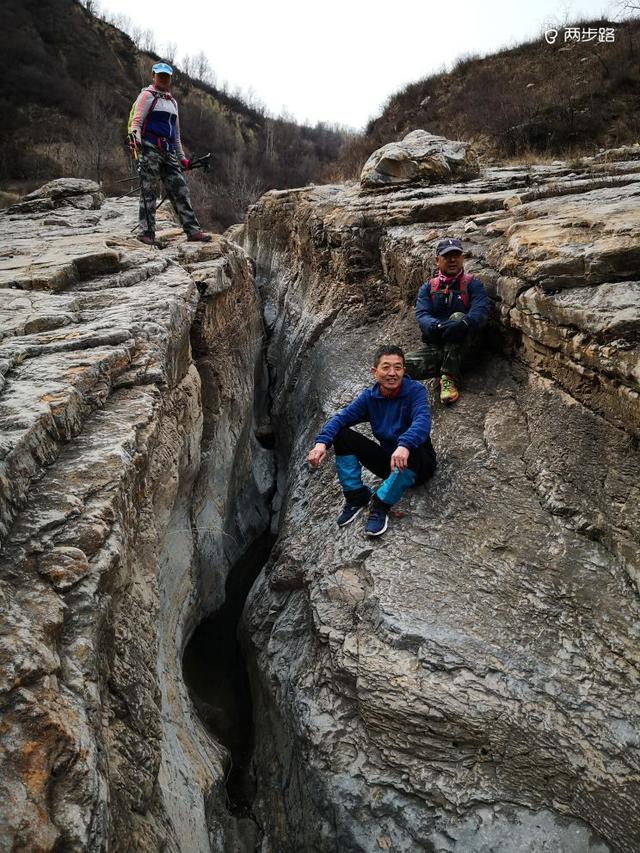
434, 335
454, 331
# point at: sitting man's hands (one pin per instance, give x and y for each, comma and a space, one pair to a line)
454, 331
316, 456
400, 458
185, 163
435, 334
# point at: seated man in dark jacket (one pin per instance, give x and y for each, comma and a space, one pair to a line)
398, 410
450, 308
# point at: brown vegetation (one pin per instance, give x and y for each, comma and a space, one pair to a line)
70, 79
565, 99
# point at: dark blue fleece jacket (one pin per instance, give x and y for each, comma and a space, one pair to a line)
434, 309
400, 421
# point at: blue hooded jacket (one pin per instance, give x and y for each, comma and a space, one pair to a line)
400, 421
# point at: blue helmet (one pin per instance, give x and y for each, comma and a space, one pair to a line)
162, 68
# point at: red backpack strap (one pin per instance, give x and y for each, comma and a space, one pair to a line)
143, 129
435, 285
465, 281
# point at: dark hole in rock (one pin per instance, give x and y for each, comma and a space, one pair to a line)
266, 439
215, 673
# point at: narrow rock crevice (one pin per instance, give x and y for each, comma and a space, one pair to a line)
216, 676
213, 665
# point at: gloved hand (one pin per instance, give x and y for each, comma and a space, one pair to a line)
185, 163
434, 336
454, 331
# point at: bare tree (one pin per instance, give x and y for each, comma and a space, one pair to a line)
170, 50
187, 65
100, 136
137, 34
147, 41
203, 70
92, 7
625, 9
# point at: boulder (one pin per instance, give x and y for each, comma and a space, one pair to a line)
62, 192
421, 158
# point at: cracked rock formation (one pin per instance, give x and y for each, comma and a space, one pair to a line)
127, 385
420, 158
467, 683
470, 681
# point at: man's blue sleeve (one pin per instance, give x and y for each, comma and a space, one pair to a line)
425, 318
479, 305
420, 426
355, 413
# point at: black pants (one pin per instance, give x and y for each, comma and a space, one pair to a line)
422, 460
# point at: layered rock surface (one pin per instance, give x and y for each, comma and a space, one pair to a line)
469, 682
127, 391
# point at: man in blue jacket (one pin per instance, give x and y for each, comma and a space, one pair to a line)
398, 410
451, 308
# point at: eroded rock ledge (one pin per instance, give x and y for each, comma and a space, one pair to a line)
471, 682
468, 684
128, 461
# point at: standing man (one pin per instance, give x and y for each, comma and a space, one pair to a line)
154, 132
398, 410
451, 308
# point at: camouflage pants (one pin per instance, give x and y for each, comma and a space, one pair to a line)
435, 359
153, 164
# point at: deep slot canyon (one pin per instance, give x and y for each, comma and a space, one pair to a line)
195, 658
216, 675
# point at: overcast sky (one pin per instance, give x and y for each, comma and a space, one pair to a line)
339, 60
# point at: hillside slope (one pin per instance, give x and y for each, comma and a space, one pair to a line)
564, 99
70, 79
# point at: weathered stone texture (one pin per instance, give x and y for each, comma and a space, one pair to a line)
102, 573
469, 682
421, 158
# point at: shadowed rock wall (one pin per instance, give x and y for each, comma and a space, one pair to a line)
127, 414
469, 682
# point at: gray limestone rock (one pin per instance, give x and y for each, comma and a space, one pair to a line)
420, 158
60, 193
127, 408
470, 681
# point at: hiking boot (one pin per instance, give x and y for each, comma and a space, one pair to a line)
349, 513
378, 519
448, 391
147, 238
199, 237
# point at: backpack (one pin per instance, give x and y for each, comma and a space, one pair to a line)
437, 286
149, 111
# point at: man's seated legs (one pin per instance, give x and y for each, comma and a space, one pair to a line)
443, 359
353, 450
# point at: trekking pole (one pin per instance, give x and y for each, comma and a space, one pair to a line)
197, 163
